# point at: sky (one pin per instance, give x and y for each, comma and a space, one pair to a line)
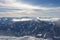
36, 8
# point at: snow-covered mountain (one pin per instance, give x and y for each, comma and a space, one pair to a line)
37, 27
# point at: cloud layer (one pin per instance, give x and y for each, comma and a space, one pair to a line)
15, 8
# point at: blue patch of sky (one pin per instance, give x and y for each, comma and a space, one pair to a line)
46, 3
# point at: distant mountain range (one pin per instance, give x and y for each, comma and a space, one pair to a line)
30, 26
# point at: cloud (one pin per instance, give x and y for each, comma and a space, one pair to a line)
20, 5
14, 8
15, 14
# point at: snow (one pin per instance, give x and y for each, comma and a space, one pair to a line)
55, 19
21, 19
27, 37
48, 19
37, 18
45, 19
39, 34
22, 38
